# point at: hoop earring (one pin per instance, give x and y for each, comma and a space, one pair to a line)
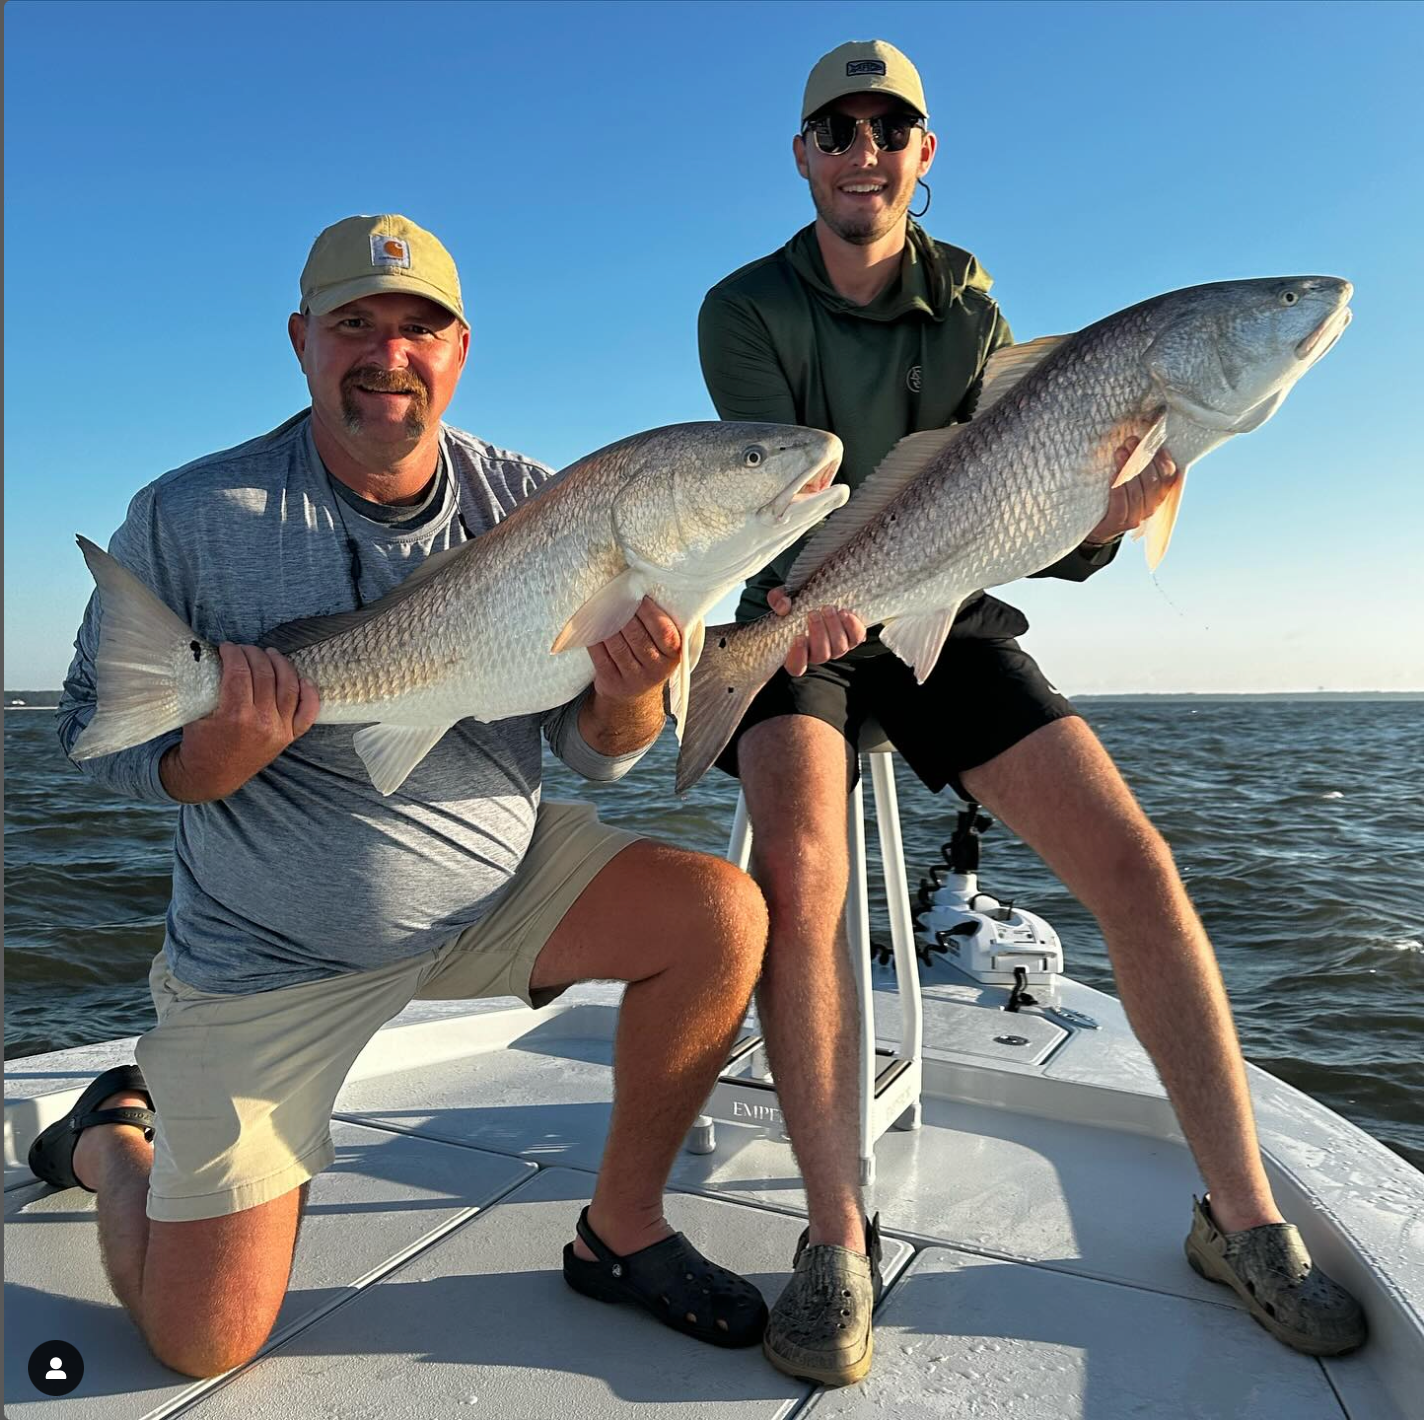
929, 197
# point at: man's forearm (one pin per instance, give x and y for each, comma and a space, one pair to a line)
177, 783
615, 727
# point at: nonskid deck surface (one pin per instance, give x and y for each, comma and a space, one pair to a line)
1034, 1264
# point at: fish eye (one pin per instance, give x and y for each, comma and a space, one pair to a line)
1289, 298
753, 455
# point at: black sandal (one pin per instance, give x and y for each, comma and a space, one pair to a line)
674, 1282
52, 1154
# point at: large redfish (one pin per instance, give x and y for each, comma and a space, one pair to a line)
498, 626
976, 505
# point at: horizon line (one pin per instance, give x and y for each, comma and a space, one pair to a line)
1080, 694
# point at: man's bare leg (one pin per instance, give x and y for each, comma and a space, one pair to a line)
204, 1294
1061, 793
795, 772
687, 932
115, 1160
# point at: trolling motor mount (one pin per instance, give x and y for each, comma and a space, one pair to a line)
961, 853
988, 940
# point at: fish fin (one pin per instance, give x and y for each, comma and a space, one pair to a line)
308, 630
716, 701
1258, 414
1145, 452
1158, 528
1006, 367
895, 472
917, 640
693, 642
608, 610
680, 686
390, 752
141, 643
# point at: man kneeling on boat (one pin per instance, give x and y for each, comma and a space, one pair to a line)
308, 909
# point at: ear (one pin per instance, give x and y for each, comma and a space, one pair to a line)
297, 334
798, 151
464, 343
927, 152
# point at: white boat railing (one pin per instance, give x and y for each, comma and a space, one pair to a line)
890, 1081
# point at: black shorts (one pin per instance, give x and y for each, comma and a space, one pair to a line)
982, 697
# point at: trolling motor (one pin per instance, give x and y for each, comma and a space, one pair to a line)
991, 941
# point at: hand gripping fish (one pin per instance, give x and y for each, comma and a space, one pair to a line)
976, 505
498, 626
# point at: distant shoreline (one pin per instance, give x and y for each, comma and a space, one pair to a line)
1199, 696
1250, 695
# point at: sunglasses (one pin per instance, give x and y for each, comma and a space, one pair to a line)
835, 132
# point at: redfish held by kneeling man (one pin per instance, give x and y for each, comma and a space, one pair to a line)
499, 625
950, 511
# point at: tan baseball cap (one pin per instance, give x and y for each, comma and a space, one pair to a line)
364, 256
864, 66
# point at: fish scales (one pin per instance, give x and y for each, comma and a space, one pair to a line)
952, 511
463, 640
1024, 476
500, 625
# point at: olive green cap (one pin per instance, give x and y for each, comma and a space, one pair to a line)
365, 256
864, 66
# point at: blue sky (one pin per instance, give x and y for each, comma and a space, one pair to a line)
595, 167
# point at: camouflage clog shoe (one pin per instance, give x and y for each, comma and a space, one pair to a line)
820, 1327
1270, 1270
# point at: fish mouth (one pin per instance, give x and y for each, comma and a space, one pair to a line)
1325, 334
806, 491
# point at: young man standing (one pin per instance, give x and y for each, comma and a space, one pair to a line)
866, 326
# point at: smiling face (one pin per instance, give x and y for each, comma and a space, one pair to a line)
864, 193
382, 370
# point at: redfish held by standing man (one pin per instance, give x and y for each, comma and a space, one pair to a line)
950, 511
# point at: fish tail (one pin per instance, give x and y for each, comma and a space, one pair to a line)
151, 673
736, 662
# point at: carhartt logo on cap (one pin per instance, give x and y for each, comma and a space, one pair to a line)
857, 67
372, 255
389, 251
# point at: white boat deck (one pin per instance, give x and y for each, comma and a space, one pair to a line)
1033, 1233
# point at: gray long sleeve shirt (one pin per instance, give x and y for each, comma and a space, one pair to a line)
307, 871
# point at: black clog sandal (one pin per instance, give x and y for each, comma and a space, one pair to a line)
52, 1154
674, 1282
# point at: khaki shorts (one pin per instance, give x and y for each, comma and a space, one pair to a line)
244, 1085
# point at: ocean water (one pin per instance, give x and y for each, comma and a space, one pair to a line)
1298, 825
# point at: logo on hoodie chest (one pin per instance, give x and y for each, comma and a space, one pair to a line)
913, 379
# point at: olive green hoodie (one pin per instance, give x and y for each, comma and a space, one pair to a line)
779, 343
